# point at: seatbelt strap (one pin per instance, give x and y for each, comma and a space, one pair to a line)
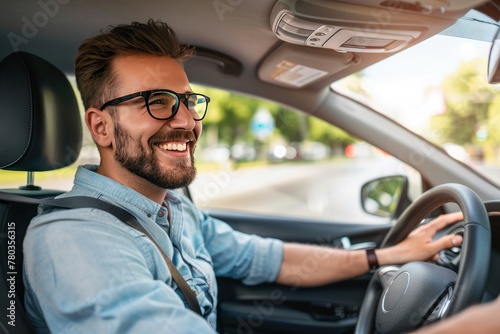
75, 202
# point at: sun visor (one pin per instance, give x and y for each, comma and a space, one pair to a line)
296, 66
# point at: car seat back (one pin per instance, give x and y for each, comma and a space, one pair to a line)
40, 130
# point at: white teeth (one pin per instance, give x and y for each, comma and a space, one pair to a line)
173, 147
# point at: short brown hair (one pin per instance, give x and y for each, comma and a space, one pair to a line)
93, 69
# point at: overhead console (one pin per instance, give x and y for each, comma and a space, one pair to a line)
352, 35
342, 27
359, 26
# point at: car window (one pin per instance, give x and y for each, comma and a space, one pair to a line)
256, 156
443, 96
259, 157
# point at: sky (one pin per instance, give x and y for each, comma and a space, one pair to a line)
400, 85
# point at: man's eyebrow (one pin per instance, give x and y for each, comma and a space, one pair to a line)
171, 90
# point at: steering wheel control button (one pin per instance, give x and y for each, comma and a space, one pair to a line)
416, 283
441, 307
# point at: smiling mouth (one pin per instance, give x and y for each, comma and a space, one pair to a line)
173, 146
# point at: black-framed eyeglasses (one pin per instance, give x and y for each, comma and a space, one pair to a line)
163, 104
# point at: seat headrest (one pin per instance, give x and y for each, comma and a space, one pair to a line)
40, 124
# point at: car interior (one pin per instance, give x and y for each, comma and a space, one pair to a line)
288, 52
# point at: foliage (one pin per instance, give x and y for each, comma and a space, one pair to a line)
230, 115
493, 125
467, 98
323, 132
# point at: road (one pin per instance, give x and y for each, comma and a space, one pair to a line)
325, 190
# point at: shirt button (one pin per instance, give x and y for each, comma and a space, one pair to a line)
161, 213
149, 215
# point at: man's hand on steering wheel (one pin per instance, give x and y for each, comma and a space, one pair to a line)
420, 244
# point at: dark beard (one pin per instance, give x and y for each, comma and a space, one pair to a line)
143, 163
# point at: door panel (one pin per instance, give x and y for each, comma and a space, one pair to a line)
273, 308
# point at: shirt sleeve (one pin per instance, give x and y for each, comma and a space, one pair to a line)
90, 276
243, 256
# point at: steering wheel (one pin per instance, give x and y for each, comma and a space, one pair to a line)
402, 298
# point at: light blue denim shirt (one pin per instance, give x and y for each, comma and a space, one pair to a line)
87, 272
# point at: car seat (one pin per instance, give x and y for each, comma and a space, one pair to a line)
40, 130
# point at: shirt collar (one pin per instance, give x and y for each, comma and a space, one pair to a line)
108, 189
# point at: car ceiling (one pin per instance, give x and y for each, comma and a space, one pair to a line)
239, 31
202, 25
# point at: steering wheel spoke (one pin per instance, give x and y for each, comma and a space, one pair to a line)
386, 274
441, 308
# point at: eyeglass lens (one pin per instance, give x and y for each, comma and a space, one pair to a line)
163, 104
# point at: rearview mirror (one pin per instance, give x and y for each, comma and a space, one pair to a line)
494, 60
386, 196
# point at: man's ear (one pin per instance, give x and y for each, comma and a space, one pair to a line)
100, 125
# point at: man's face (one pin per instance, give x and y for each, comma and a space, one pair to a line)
159, 151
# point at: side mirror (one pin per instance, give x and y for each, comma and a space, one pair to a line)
386, 196
494, 60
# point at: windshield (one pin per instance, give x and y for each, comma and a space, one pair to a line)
439, 90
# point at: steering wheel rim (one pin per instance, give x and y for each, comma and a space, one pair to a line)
474, 261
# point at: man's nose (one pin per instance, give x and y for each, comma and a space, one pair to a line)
183, 119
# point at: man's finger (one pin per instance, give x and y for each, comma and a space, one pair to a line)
447, 242
444, 220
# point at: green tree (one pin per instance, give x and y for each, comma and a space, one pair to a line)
491, 147
467, 99
327, 134
229, 117
292, 126
493, 125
